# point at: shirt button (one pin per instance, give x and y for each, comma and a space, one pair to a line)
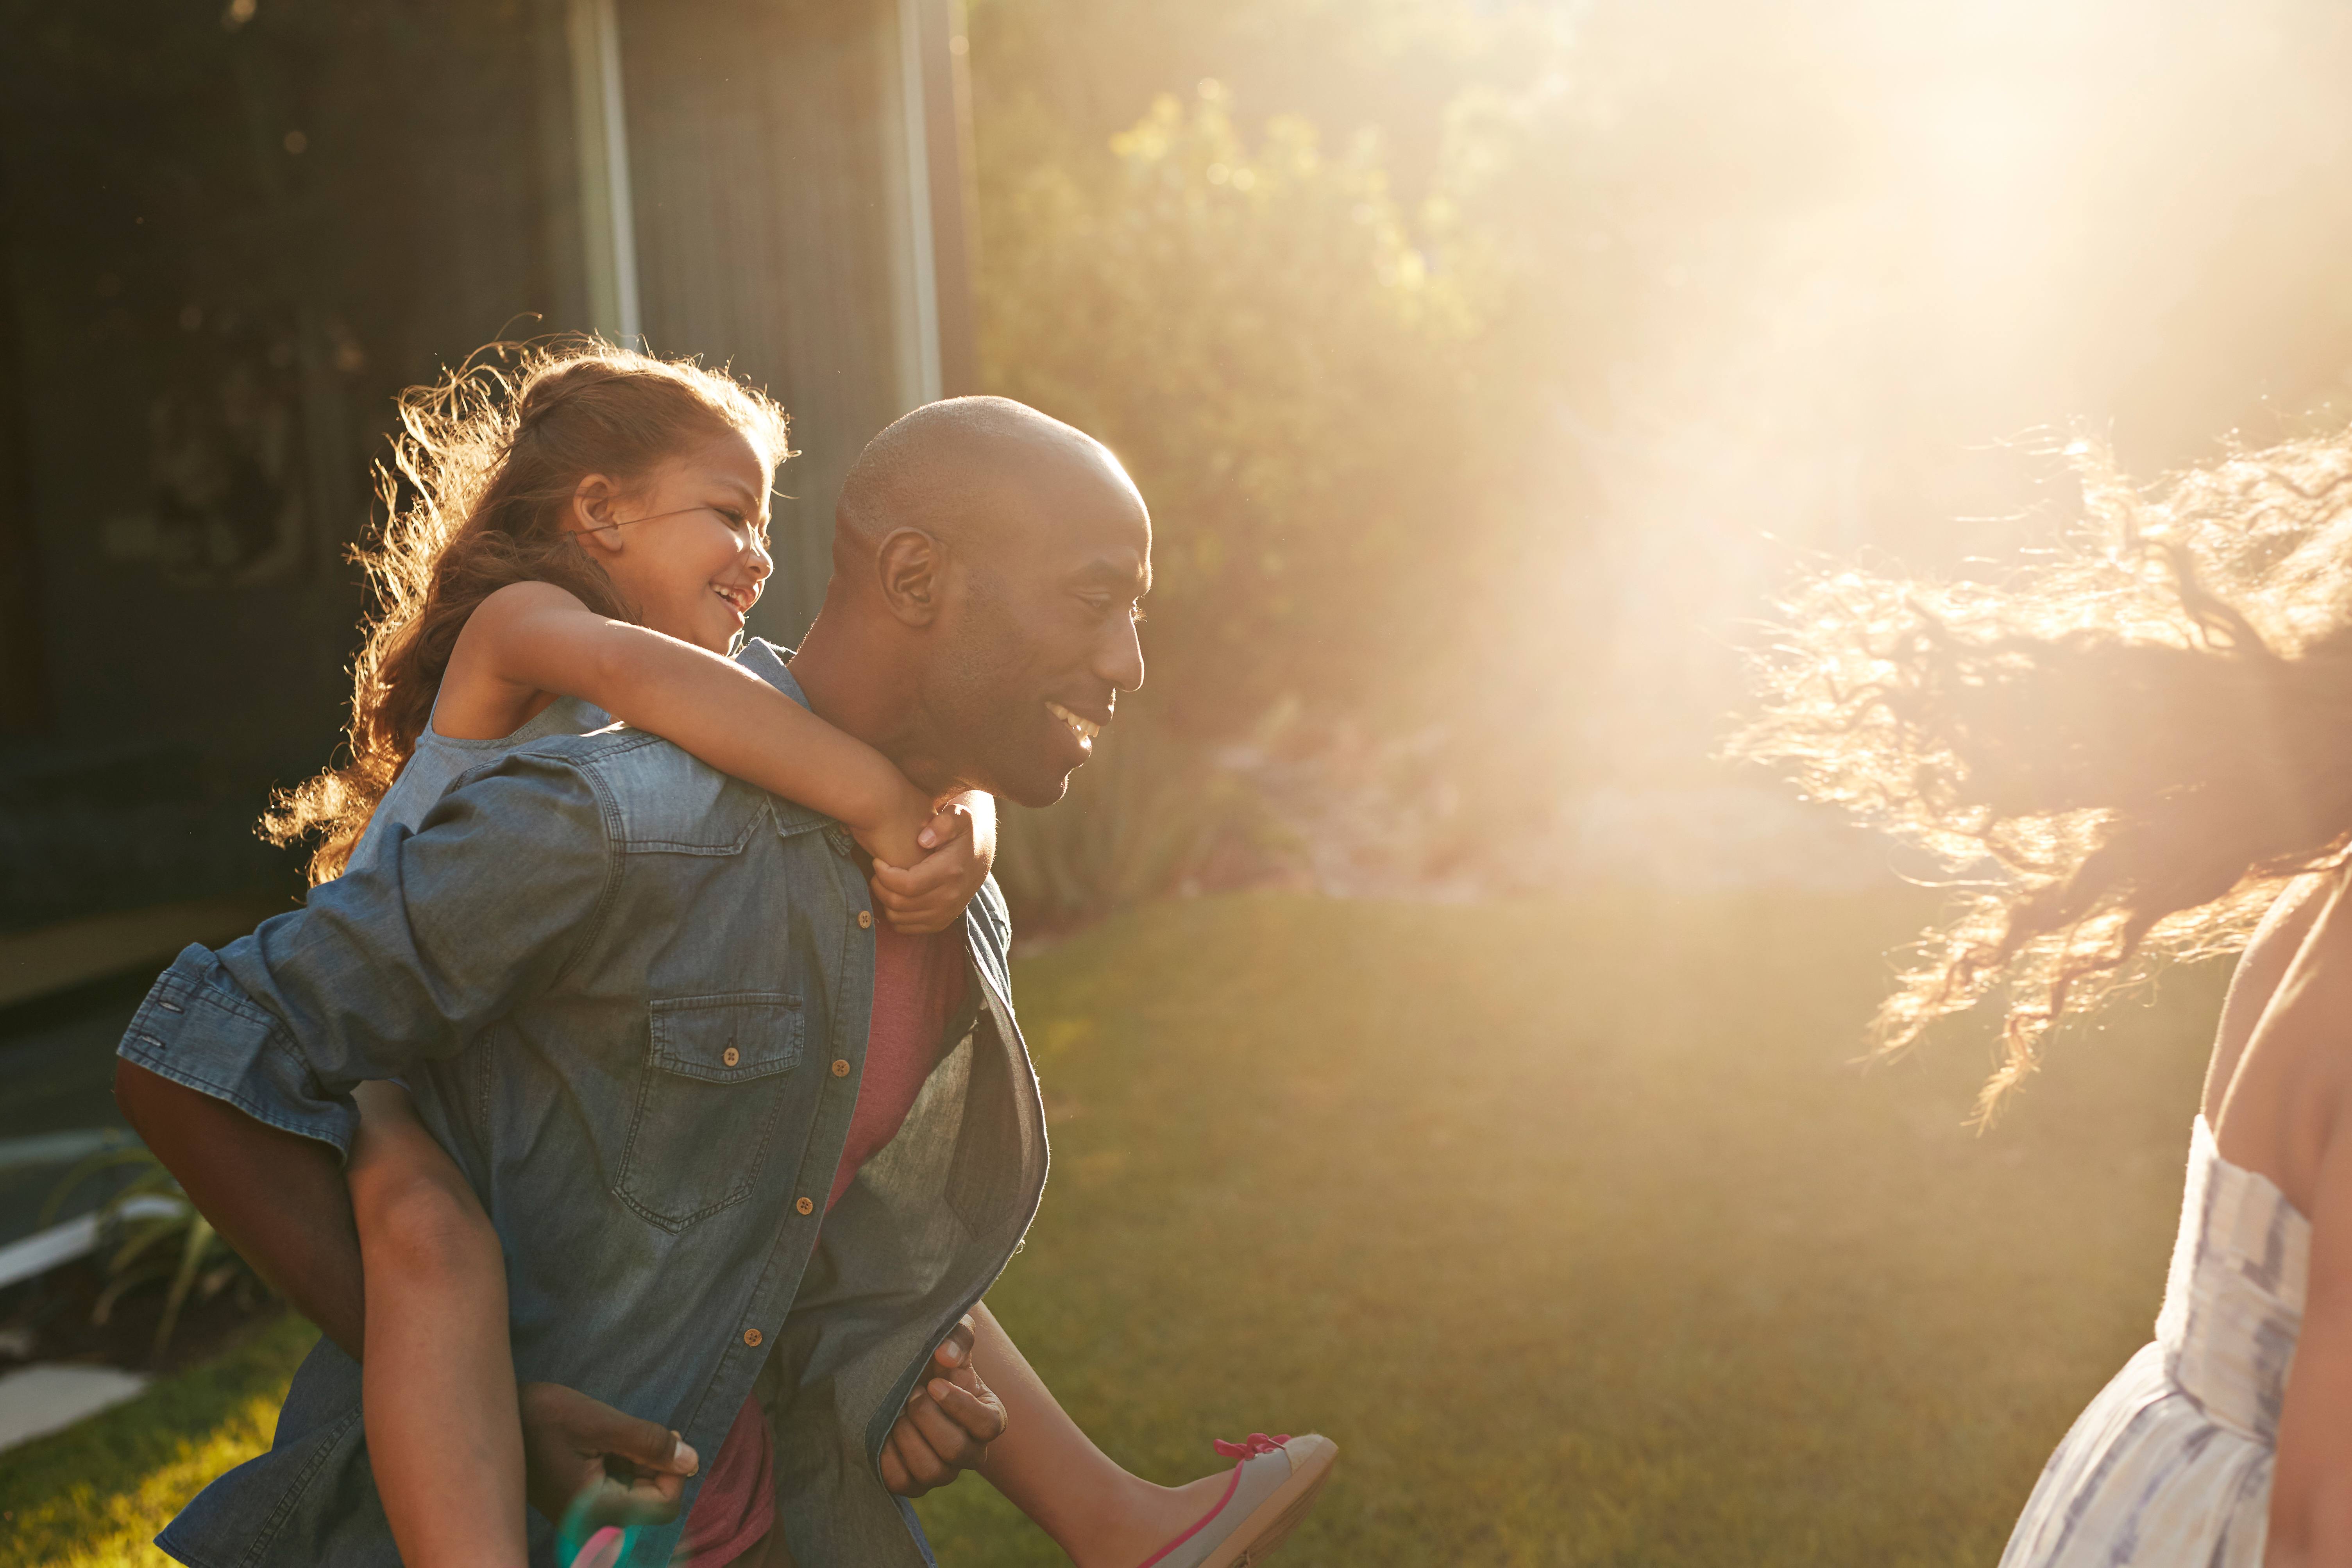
865, 919
752, 1337
731, 1055
841, 1067
804, 1205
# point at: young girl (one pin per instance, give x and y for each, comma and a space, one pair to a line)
2151, 732
583, 537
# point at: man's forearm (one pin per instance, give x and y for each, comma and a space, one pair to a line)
277, 1197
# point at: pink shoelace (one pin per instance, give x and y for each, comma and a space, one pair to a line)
1250, 1447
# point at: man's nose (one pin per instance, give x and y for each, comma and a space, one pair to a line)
1121, 660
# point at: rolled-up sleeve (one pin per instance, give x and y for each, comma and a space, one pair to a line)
404, 958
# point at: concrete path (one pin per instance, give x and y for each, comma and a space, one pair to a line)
38, 1400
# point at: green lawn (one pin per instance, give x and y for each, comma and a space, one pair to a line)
95, 1495
1576, 1227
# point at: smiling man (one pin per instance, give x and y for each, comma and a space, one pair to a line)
1010, 628
636, 1000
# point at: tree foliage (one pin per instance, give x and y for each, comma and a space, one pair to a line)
1288, 362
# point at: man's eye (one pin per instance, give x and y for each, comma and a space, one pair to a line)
1105, 603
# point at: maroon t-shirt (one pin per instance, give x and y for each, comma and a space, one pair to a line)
919, 986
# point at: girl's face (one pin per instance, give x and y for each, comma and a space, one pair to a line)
688, 544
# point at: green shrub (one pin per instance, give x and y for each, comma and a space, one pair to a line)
1285, 360
151, 1235
1148, 815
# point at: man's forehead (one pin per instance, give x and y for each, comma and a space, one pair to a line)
1078, 512
1105, 532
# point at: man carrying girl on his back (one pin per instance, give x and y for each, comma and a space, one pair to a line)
676, 1064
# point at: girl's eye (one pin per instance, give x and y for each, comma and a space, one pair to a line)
742, 524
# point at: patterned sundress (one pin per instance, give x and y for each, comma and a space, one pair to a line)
2171, 1463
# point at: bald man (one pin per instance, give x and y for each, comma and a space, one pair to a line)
979, 622
636, 1001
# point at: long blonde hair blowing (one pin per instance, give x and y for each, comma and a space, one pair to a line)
2120, 751
481, 472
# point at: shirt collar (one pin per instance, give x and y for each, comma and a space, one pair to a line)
766, 660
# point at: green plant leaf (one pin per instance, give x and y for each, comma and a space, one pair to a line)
90, 1165
192, 1259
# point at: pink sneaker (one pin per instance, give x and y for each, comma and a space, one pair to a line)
1271, 1489
603, 1549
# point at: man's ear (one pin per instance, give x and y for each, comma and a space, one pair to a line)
593, 511
909, 569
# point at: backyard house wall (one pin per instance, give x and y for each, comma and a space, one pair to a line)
229, 243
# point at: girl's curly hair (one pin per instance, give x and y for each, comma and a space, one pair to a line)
485, 462
2141, 733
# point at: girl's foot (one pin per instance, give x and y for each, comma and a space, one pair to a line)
1260, 1502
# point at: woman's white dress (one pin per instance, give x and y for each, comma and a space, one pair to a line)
2171, 1463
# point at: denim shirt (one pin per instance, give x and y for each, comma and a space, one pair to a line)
630, 996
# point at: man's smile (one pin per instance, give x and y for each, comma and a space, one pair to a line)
1084, 729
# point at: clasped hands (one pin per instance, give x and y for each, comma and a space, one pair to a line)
635, 1470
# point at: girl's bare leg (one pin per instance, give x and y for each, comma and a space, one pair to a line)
1049, 1469
438, 1383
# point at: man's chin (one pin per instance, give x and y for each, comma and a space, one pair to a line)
1037, 790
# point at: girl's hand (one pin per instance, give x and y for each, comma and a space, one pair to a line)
892, 830
947, 1424
929, 896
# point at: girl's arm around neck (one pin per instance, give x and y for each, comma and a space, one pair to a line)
530, 638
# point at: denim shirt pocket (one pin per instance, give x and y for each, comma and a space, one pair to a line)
707, 1098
